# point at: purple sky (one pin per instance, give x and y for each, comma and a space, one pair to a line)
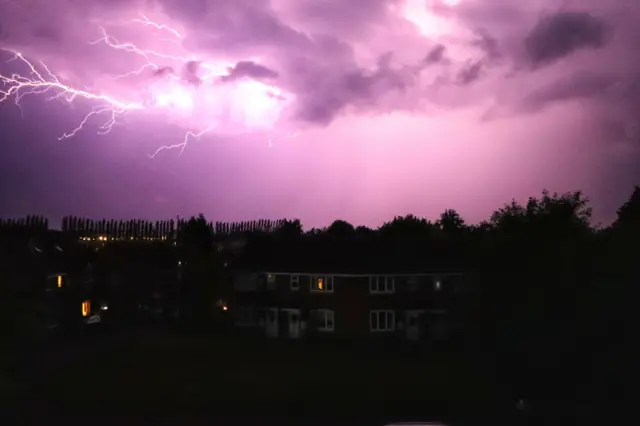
385, 107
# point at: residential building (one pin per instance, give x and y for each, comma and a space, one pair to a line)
293, 305
48, 284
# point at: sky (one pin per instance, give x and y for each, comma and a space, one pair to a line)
315, 109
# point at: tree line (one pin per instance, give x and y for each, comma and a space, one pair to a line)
136, 228
35, 222
557, 212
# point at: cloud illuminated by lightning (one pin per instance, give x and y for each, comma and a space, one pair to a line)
187, 91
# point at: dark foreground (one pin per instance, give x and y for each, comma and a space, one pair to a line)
159, 374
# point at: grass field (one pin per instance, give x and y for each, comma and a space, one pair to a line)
172, 373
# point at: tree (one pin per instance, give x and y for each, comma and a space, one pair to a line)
450, 222
628, 215
340, 229
198, 288
288, 228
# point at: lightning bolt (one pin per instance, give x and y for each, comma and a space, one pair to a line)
40, 80
146, 21
183, 144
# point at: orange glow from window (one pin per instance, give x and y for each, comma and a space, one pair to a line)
59, 281
86, 308
320, 284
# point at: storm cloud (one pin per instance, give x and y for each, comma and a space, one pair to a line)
326, 53
560, 34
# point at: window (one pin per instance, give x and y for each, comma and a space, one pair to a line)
382, 320
382, 285
59, 281
322, 284
86, 308
244, 316
295, 282
323, 319
413, 284
437, 284
271, 282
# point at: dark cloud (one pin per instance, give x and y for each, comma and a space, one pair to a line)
488, 44
249, 69
558, 35
47, 32
333, 92
469, 73
235, 25
435, 55
579, 85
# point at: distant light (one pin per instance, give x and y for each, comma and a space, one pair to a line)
224, 308
438, 285
104, 307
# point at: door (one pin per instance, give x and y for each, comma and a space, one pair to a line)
271, 322
412, 321
439, 326
294, 319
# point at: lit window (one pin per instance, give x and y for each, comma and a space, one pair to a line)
295, 282
86, 308
59, 281
382, 321
382, 285
323, 319
322, 284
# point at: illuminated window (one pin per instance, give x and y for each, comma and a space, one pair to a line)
382, 285
382, 320
322, 284
86, 308
59, 281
